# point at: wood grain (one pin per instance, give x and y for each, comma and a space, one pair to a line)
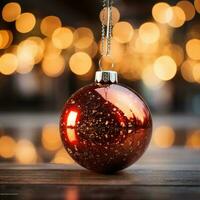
160, 174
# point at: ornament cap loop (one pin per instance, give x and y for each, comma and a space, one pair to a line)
106, 77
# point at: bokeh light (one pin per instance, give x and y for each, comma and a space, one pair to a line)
193, 49
92, 50
162, 12
80, 63
178, 18
164, 136
117, 50
197, 5
7, 147
25, 22
196, 72
8, 63
50, 50
11, 11
193, 140
49, 24
25, 152
123, 32
27, 52
149, 32
150, 79
83, 38
187, 70
188, 9
6, 38
51, 137
165, 68
62, 157
40, 47
174, 51
104, 15
53, 66
62, 38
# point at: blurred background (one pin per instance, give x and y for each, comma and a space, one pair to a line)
49, 49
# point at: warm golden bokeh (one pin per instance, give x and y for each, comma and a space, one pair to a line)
49, 24
165, 68
104, 16
6, 38
178, 17
7, 147
8, 63
62, 38
25, 152
40, 48
197, 5
117, 50
53, 66
150, 79
123, 32
51, 137
162, 12
193, 140
187, 70
83, 38
174, 51
164, 136
27, 54
62, 157
193, 49
196, 72
92, 50
188, 9
11, 11
80, 63
149, 32
25, 22
50, 49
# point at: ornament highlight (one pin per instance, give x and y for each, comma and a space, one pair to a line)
105, 127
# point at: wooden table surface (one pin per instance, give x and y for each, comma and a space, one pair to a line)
160, 174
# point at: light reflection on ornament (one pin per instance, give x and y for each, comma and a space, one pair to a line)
112, 129
71, 119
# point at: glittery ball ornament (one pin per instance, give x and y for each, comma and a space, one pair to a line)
105, 127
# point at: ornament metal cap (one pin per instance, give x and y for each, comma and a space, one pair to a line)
106, 77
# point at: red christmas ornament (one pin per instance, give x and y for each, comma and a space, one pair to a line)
105, 127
